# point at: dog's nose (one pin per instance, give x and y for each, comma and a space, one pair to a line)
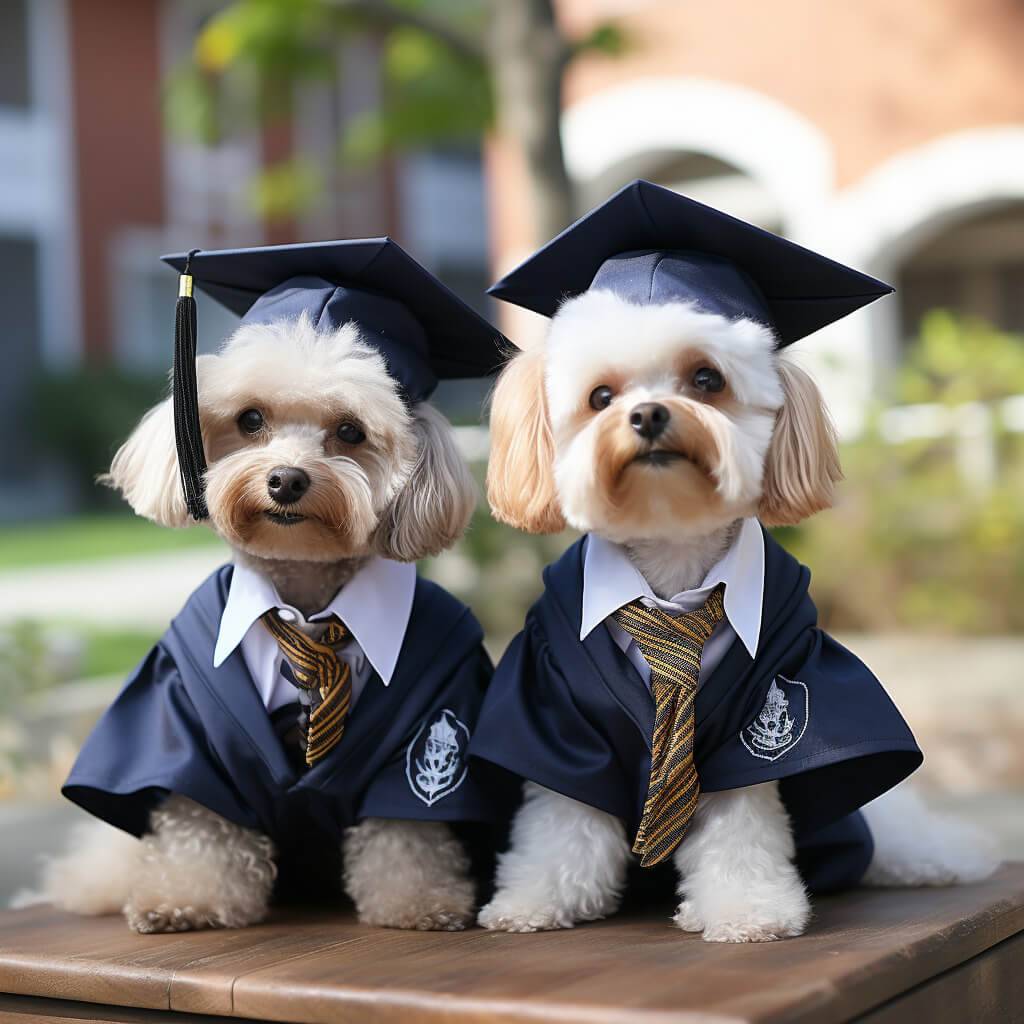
649, 419
286, 484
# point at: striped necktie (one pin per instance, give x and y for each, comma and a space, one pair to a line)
672, 648
317, 669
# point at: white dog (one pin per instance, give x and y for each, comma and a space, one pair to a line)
660, 431
321, 479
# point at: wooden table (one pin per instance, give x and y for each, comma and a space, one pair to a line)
884, 956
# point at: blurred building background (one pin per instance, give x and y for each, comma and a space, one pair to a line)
95, 184
887, 136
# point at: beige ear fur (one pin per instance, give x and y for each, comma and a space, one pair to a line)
145, 469
434, 507
520, 471
802, 466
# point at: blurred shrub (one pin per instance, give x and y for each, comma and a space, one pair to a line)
496, 570
82, 415
32, 658
913, 543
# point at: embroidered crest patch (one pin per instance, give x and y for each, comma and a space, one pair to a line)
435, 763
781, 723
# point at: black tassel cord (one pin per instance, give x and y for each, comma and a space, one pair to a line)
188, 437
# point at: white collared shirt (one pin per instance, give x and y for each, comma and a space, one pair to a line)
611, 580
375, 606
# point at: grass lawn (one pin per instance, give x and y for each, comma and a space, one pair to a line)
91, 538
114, 652
29, 665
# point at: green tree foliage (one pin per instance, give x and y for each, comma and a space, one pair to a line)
958, 360
82, 415
913, 542
438, 68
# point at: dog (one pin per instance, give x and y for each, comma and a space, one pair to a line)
663, 432
321, 479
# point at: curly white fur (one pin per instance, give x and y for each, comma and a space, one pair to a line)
737, 877
567, 863
93, 876
198, 870
408, 874
192, 870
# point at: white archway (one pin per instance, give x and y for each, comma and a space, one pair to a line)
917, 193
776, 147
876, 223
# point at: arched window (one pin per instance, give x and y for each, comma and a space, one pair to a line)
974, 266
697, 175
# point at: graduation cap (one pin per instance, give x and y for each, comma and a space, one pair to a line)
653, 246
423, 330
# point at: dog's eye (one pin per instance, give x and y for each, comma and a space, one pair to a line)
708, 379
601, 397
351, 434
251, 421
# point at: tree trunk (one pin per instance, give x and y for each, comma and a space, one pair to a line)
528, 57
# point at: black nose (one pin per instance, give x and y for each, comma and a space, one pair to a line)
286, 484
649, 419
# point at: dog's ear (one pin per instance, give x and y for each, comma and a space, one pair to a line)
433, 509
145, 469
802, 466
521, 468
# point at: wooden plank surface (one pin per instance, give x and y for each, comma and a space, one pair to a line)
986, 990
863, 950
33, 1010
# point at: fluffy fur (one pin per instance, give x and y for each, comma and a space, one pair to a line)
761, 445
402, 492
428, 884
566, 863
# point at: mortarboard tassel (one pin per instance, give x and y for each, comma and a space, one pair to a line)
187, 434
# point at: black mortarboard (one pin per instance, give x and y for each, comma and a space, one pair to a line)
653, 246
421, 328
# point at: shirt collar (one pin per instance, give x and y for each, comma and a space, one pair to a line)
375, 606
610, 580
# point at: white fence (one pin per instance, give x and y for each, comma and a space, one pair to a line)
972, 426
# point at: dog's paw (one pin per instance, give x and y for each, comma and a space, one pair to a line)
752, 931
444, 921
419, 919
502, 915
687, 919
428, 911
763, 920
164, 918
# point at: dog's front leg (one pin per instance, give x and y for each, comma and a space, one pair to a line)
566, 863
197, 870
408, 874
737, 877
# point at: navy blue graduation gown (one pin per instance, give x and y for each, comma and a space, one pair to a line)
577, 718
182, 726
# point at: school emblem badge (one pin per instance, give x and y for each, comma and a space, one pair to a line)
435, 762
780, 724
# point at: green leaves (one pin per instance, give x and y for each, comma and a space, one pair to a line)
914, 542
252, 59
286, 189
429, 98
279, 39
604, 38
961, 359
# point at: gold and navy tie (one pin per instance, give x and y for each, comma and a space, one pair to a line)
672, 648
317, 669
